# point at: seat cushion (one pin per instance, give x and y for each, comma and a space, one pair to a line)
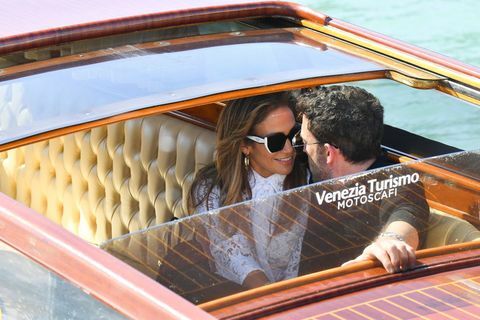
111, 180
445, 229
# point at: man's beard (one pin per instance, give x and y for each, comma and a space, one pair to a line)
319, 168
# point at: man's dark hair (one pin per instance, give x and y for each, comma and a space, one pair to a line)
347, 117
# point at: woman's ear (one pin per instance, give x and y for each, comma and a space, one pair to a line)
246, 149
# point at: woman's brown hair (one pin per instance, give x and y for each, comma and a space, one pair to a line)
228, 172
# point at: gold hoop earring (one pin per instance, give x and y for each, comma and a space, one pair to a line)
246, 161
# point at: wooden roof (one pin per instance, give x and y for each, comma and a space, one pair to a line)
23, 16
27, 24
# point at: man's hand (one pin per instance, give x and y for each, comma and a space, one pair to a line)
394, 248
394, 254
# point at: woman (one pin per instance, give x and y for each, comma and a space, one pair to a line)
255, 158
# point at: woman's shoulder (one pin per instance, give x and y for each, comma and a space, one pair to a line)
206, 186
205, 193
205, 178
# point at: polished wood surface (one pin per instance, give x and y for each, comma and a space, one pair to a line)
43, 26
449, 190
449, 295
275, 292
422, 58
418, 78
339, 281
179, 44
91, 269
407, 48
208, 114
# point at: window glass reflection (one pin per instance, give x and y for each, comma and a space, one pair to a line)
308, 229
29, 291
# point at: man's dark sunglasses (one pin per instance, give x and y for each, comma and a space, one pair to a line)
276, 142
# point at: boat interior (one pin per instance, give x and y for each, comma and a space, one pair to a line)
116, 175
119, 178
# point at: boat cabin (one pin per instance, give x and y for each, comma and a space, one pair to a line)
102, 131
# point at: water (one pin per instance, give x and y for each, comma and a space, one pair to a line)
451, 28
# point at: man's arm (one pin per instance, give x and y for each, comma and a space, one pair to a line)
405, 218
394, 248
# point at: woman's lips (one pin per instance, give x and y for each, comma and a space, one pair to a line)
285, 160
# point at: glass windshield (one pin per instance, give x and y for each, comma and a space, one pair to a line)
29, 291
308, 229
115, 81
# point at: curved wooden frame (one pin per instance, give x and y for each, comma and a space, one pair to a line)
168, 18
300, 291
467, 186
393, 70
401, 51
209, 11
111, 281
195, 103
100, 274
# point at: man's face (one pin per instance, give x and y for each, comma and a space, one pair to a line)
317, 158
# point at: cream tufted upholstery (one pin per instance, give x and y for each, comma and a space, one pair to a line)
445, 229
111, 180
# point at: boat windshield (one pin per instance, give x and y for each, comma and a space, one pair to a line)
308, 229
106, 83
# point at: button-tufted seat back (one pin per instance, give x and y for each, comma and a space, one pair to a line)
111, 180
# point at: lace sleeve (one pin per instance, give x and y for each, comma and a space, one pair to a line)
210, 203
292, 268
234, 256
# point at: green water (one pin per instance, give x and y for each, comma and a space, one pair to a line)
451, 28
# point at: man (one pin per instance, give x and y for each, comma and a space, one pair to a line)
342, 129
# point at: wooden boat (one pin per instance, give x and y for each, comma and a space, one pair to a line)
107, 112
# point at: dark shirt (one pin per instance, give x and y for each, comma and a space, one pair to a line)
338, 231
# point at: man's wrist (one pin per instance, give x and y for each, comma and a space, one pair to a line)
391, 235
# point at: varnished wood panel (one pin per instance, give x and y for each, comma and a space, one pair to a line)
450, 189
83, 19
337, 282
179, 44
407, 48
208, 113
450, 295
96, 272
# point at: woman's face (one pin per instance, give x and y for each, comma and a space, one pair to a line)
263, 162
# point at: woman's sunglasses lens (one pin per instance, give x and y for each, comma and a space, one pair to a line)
276, 142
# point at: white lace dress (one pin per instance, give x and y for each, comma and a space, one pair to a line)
272, 249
